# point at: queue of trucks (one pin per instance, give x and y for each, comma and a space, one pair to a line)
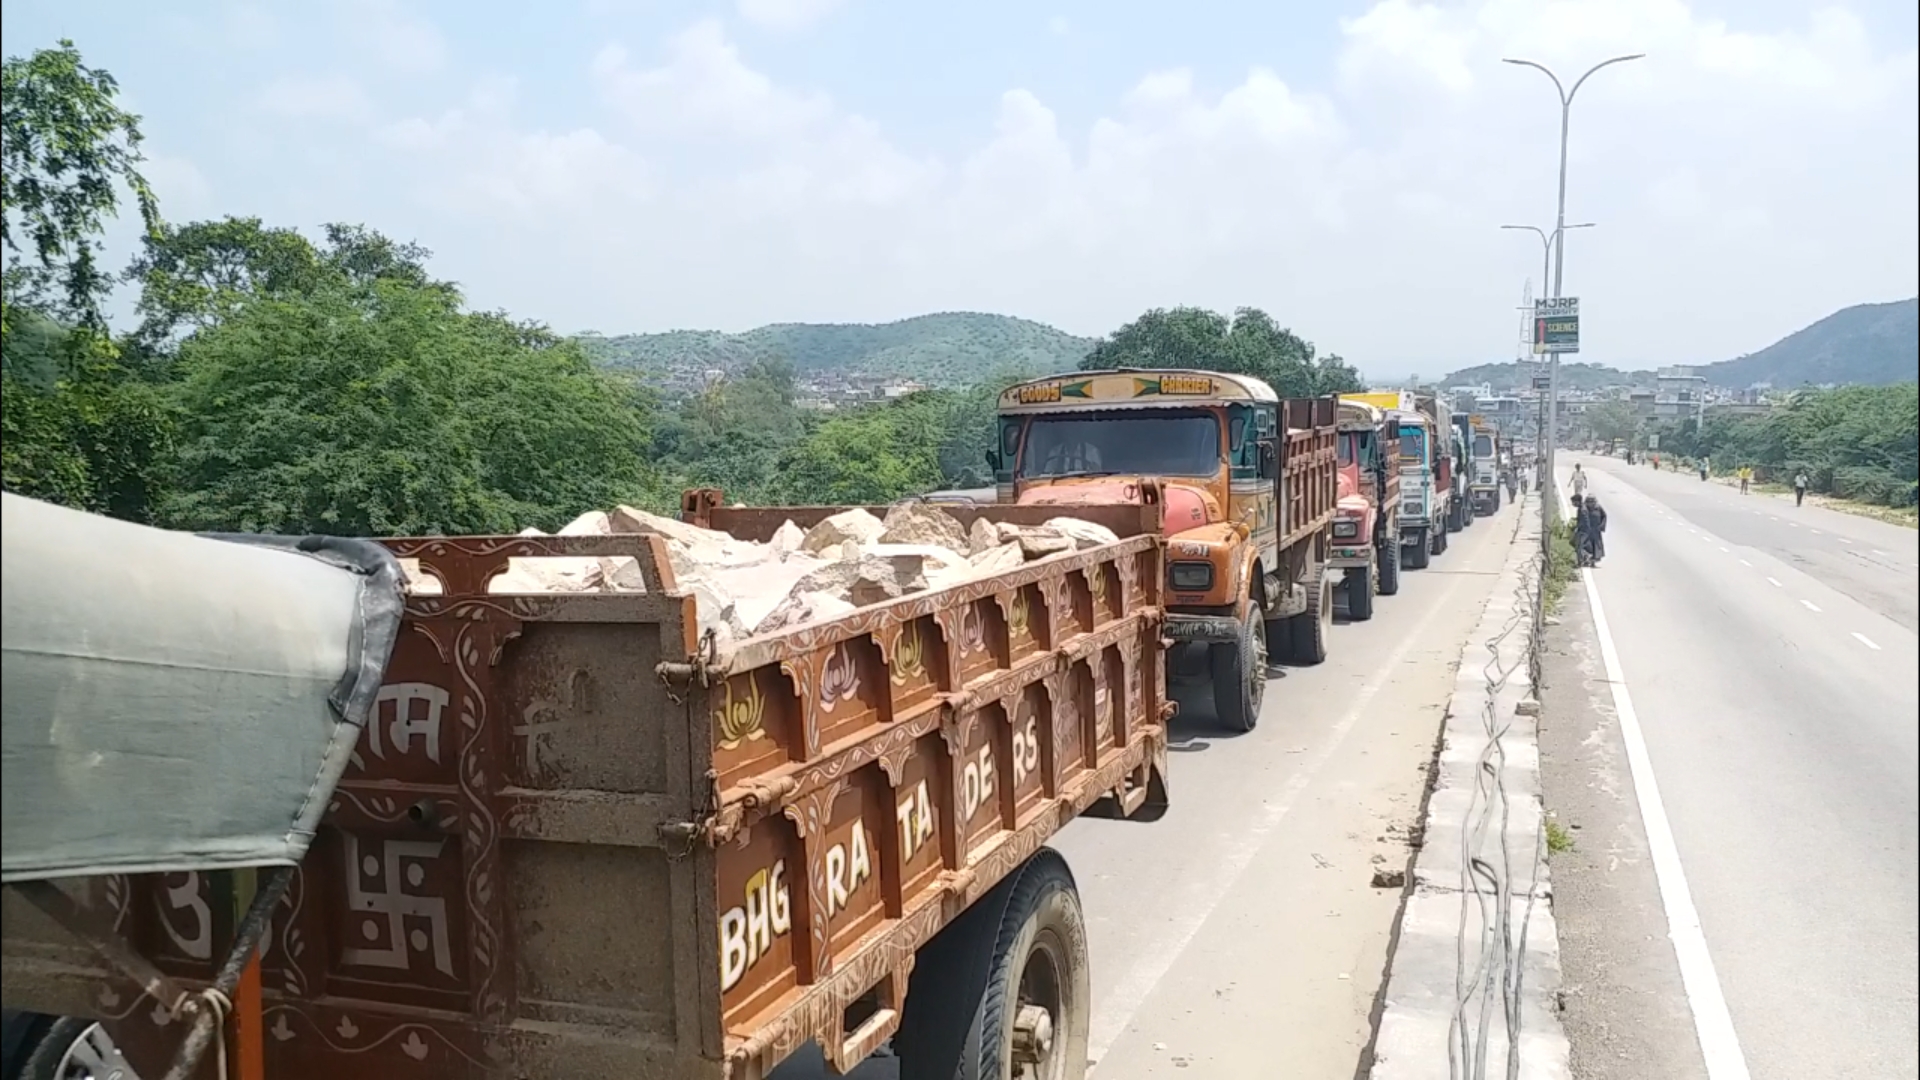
575, 841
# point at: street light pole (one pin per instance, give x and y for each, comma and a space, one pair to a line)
1542, 448
1559, 269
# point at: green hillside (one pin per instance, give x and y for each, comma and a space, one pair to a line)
1573, 376
1871, 344
947, 349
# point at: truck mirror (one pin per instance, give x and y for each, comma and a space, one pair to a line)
993, 458
1269, 461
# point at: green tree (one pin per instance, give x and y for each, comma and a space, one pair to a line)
81, 427
68, 148
1248, 343
379, 407
1610, 420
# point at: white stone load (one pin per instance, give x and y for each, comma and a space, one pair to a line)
742, 588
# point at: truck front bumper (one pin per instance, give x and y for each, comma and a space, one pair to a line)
1350, 558
1186, 629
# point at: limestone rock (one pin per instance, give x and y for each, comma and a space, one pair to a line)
856, 525
939, 563
995, 560
923, 523
626, 519
1085, 534
1036, 541
787, 539
982, 536
803, 607
870, 579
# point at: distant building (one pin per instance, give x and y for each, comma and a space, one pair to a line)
1679, 394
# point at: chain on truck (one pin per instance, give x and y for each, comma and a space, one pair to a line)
466, 834
1249, 483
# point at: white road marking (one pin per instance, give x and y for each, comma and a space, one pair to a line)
1712, 1023
1843, 539
1810, 605
1204, 892
1865, 640
1776, 583
1745, 563
1877, 551
1726, 549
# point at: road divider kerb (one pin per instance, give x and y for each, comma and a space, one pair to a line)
1416, 1038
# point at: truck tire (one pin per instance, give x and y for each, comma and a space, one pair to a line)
1390, 568
1359, 585
74, 1049
1418, 552
1455, 520
1240, 674
1310, 627
1004, 986
1493, 501
1438, 545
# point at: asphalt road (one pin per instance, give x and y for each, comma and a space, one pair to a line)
1772, 665
1241, 933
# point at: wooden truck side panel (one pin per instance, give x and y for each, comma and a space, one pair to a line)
570, 846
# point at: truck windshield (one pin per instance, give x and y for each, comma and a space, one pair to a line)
1483, 446
1413, 444
1121, 444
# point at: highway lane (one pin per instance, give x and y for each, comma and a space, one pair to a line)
1875, 563
1242, 930
1774, 675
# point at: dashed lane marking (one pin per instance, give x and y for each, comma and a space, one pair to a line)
1865, 640
1810, 605
1775, 582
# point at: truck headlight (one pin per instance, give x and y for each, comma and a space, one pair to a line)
1346, 529
1191, 576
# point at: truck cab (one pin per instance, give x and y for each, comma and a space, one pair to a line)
1485, 487
1426, 498
1366, 518
1246, 481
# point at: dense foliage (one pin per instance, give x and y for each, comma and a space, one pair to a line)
275, 382
1247, 343
1858, 442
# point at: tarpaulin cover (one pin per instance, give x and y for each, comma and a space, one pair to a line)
179, 702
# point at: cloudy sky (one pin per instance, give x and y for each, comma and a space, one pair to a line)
641, 165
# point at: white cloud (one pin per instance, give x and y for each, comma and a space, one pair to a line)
786, 14
1744, 183
321, 97
403, 40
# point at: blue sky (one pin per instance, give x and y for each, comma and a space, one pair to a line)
632, 165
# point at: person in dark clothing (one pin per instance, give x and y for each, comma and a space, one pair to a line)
1589, 521
1799, 488
1596, 529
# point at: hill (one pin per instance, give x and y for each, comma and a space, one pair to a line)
1573, 376
947, 349
1872, 344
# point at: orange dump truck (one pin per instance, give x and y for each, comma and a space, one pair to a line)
1249, 482
573, 843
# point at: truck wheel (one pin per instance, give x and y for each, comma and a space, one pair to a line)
75, 1049
1390, 569
1494, 501
1418, 552
1454, 522
1310, 626
1438, 542
1359, 595
1003, 992
1240, 674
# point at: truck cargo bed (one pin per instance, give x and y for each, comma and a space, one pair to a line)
572, 846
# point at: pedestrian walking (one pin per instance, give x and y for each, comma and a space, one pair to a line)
1746, 477
1579, 481
1799, 487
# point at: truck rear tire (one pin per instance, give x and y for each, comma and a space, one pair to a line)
1240, 674
73, 1047
1004, 986
1359, 586
1438, 545
1418, 552
1309, 630
1390, 568
1455, 517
